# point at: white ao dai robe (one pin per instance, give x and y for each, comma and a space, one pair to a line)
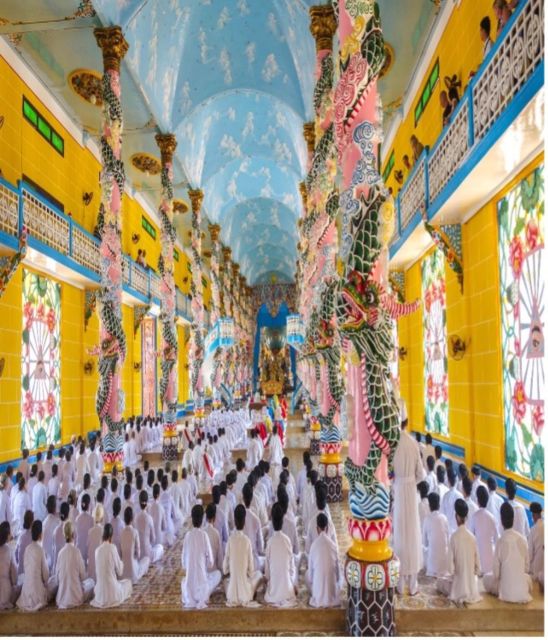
484, 527
197, 561
536, 549
73, 587
280, 571
323, 576
8, 578
239, 563
134, 566
109, 591
464, 567
36, 589
435, 538
408, 472
510, 579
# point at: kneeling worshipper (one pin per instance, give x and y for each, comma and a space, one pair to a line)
536, 543
147, 537
38, 589
238, 562
435, 539
95, 537
464, 566
484, 527
201, 578
510, 580
135, 566
109, 591
280, 571
73, 588
9, 590
323, 576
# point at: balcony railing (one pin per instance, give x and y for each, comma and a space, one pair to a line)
52, 232
512, 73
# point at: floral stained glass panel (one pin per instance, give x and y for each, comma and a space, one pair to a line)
435, 344
522, 278
40, 365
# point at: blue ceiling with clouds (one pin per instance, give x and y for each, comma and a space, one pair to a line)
233, 79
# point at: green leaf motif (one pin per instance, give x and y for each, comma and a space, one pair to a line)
519, 226
25, 382
537, 463
526, 435
25, 336
511, 454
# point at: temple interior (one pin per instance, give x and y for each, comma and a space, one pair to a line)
284, 250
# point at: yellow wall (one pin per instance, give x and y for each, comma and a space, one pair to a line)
23, 151
459, 51
475, 382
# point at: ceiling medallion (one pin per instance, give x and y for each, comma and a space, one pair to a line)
146, 163
180, 206
389, 57
86, 83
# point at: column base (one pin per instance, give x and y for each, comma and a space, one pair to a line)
170, 448
370, 609
314, 447
333, 484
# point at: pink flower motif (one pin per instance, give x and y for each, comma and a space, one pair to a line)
532, 234
51, 404
517, 346
516, 256
538, 419
41, 409
51, 320
518, 401
28, 405
40, 312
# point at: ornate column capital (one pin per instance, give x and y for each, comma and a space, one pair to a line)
113, 45
227, 252
167, 143
196, 198
309, 135
323, 26
214, 231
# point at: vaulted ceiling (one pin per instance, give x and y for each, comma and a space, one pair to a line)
233, 79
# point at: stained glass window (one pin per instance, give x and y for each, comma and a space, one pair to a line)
40, 366
435, 344
522, 277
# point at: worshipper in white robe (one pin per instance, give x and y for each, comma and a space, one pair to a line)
476, 481
9, 590
221, 523
82, 467
40, 498
535, 543
58, 535
94, 463
408, 471
162, 533
134, 457
482, 524
37, 589
82, 525
167, 503
135, 567
466, 489
238, 562
424, 507
308, 502
280, 571
5, 507
320, 507
521, 523
323, 576
23, 541
441, 488
67, 476
510, 580
435, 539
431, 478
253, 529
33, 479
73, 587
24, 465
145, 526
54, 482
276, 450
464, 567
495, 502
241, 478
429, 449
214, 537
109, 590
47, 464
302, 475
449, 499
253, 450
117, 522
21, 504
201, 578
